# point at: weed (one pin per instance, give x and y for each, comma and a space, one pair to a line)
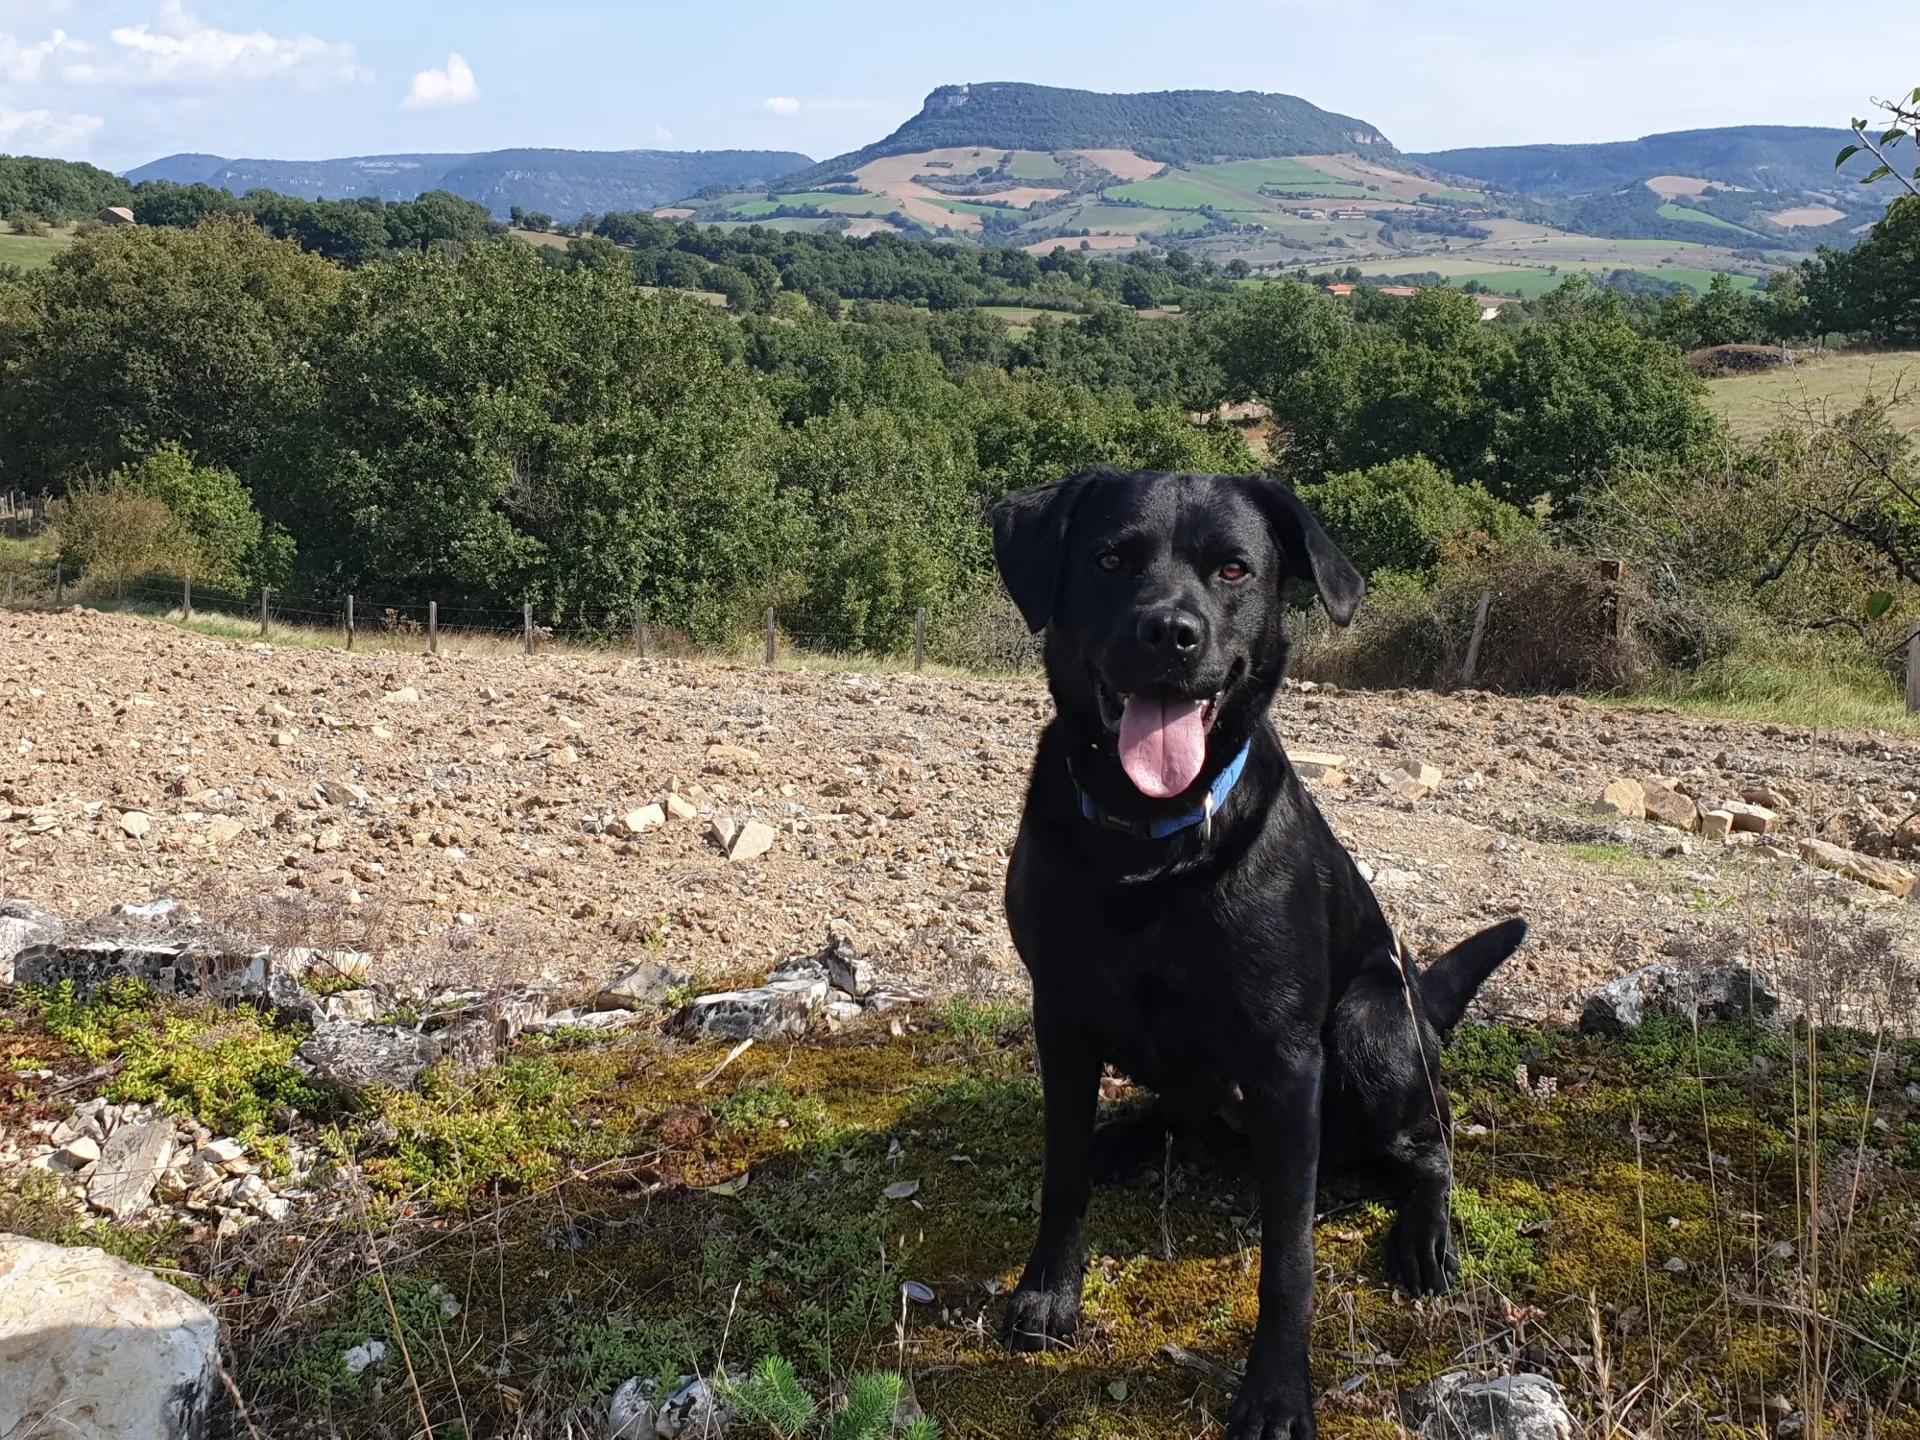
979, 1026
593, 1355
772, 1395
1607, 854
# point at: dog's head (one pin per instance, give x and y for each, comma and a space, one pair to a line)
1161, 598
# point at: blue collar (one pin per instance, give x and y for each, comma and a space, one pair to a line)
1160, 829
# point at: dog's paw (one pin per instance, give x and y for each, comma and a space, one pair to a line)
1276, 1416
1040, 1319
1421, 1259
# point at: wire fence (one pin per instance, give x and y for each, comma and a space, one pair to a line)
373, 622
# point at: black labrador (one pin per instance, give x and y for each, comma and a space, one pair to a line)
1188, 917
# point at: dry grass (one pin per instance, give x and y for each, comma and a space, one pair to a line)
1820, 387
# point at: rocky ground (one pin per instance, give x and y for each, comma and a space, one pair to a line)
483, 821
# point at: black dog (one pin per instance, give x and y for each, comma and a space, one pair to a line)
1186, 914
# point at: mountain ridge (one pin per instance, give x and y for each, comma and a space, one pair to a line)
1172, 126
562, 183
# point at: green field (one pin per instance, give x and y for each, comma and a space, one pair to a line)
753, 209
1690, 216
30, 252
1827, 385
1247, 176
1034, 165
1174, 192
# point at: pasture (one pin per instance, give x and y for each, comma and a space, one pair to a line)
30, 252
1689, 216
1820, 384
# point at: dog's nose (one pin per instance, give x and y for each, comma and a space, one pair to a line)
1171, 632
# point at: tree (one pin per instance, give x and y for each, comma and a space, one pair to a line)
1872, 290
1406, 516
219, 532
112, 533
138, 336
1267, 337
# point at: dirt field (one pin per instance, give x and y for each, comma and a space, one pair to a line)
490, 847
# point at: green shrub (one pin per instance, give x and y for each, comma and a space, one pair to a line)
1406, 516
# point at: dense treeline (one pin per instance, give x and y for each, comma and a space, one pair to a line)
55, 190
477, 423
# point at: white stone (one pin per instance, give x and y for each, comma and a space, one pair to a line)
92, 1348
681, 808
1507, 1407
630, 1412
365, 1356
135, 824
754, 840
130, 1163
642, 819
1704, 992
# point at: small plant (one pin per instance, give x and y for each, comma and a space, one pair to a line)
773, 1396
978, 1027
1494, 1251
96, 1027
771, 1114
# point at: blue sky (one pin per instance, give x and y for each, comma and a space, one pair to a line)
120, 82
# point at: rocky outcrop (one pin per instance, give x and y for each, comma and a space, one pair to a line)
1703, 992
1459, 1406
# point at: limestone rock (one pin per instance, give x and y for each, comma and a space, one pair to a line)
691, 1412
1625, 798
645, 987
1705, 992
130, 1163
136, 824
754, 840
368, 1057
681, 808
343, 792
96, 1349
406, 695
1667, 806
221, 830
642, 819
1716, 825
778, 1008
630, 1413
1317, 764
1881, 874
846, 968
1757, 819
353, 1005
723, 830
1427, 777
1508, 1407
22, 926
732, 760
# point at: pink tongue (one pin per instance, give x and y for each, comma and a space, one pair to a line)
1163, 744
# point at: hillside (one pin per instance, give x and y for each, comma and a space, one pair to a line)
1773, 158
1171, 126
562, 183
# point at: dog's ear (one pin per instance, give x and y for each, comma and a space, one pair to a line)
1029, 529
1309, 551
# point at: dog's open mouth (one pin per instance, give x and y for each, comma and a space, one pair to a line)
1163, 737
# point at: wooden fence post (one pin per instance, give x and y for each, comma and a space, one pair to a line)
1614, 572
1913, 669
770, 635
264, 592
59, 585
526, 624
186, 598
433, 627
349, 622
640, 629
920, 638
1479, 634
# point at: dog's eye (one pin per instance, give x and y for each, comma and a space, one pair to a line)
1234, 570
1107, 560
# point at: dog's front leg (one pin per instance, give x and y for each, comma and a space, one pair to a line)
1045, 1310
1283, 1124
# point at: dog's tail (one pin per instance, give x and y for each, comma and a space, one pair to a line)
1448, 985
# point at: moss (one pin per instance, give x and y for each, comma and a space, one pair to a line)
460, 1134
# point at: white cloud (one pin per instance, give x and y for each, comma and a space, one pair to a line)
22, 63
784, 105
662, 135
43, 130
434, 89
179, 50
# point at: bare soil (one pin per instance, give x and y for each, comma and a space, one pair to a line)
491, 849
